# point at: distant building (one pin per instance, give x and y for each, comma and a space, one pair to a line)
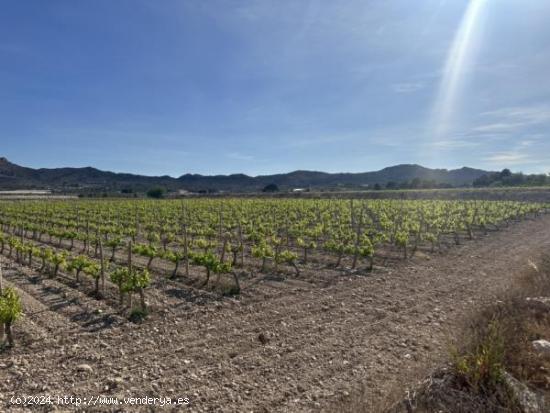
27, 192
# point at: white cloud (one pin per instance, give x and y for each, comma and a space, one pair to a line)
526, 115
454, 144
407, 87
239, 156
498, 127
512, 120
508, 158
527, 143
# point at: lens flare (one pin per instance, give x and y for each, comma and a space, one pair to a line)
458, 60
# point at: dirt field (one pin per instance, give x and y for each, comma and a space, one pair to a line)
288, 346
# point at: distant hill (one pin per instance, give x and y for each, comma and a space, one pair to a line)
13, 176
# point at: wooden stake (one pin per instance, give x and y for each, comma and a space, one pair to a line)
130, 257
2, 328
185, 250
102, 266
1, 280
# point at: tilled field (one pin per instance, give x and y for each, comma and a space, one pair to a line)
285, 345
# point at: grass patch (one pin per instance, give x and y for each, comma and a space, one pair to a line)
137, 315
482, 367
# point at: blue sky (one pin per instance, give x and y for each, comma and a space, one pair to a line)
260, 86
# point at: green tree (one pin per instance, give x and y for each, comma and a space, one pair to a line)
270, 188
156, 193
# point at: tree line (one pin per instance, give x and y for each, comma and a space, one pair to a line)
508, 178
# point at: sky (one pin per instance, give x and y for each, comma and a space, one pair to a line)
269, 86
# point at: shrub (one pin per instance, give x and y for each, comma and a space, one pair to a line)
270, 188
156, 193
481, 369
10, 311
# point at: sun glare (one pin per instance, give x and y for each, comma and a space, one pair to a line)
458, 61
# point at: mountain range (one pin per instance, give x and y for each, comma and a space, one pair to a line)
14, 176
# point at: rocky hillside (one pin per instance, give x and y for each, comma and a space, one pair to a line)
13, 176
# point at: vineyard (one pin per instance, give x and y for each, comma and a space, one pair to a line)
120, 247
249, 304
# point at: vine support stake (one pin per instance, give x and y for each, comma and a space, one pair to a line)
1, 290
102, 267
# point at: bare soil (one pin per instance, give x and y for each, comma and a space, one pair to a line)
286, 345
